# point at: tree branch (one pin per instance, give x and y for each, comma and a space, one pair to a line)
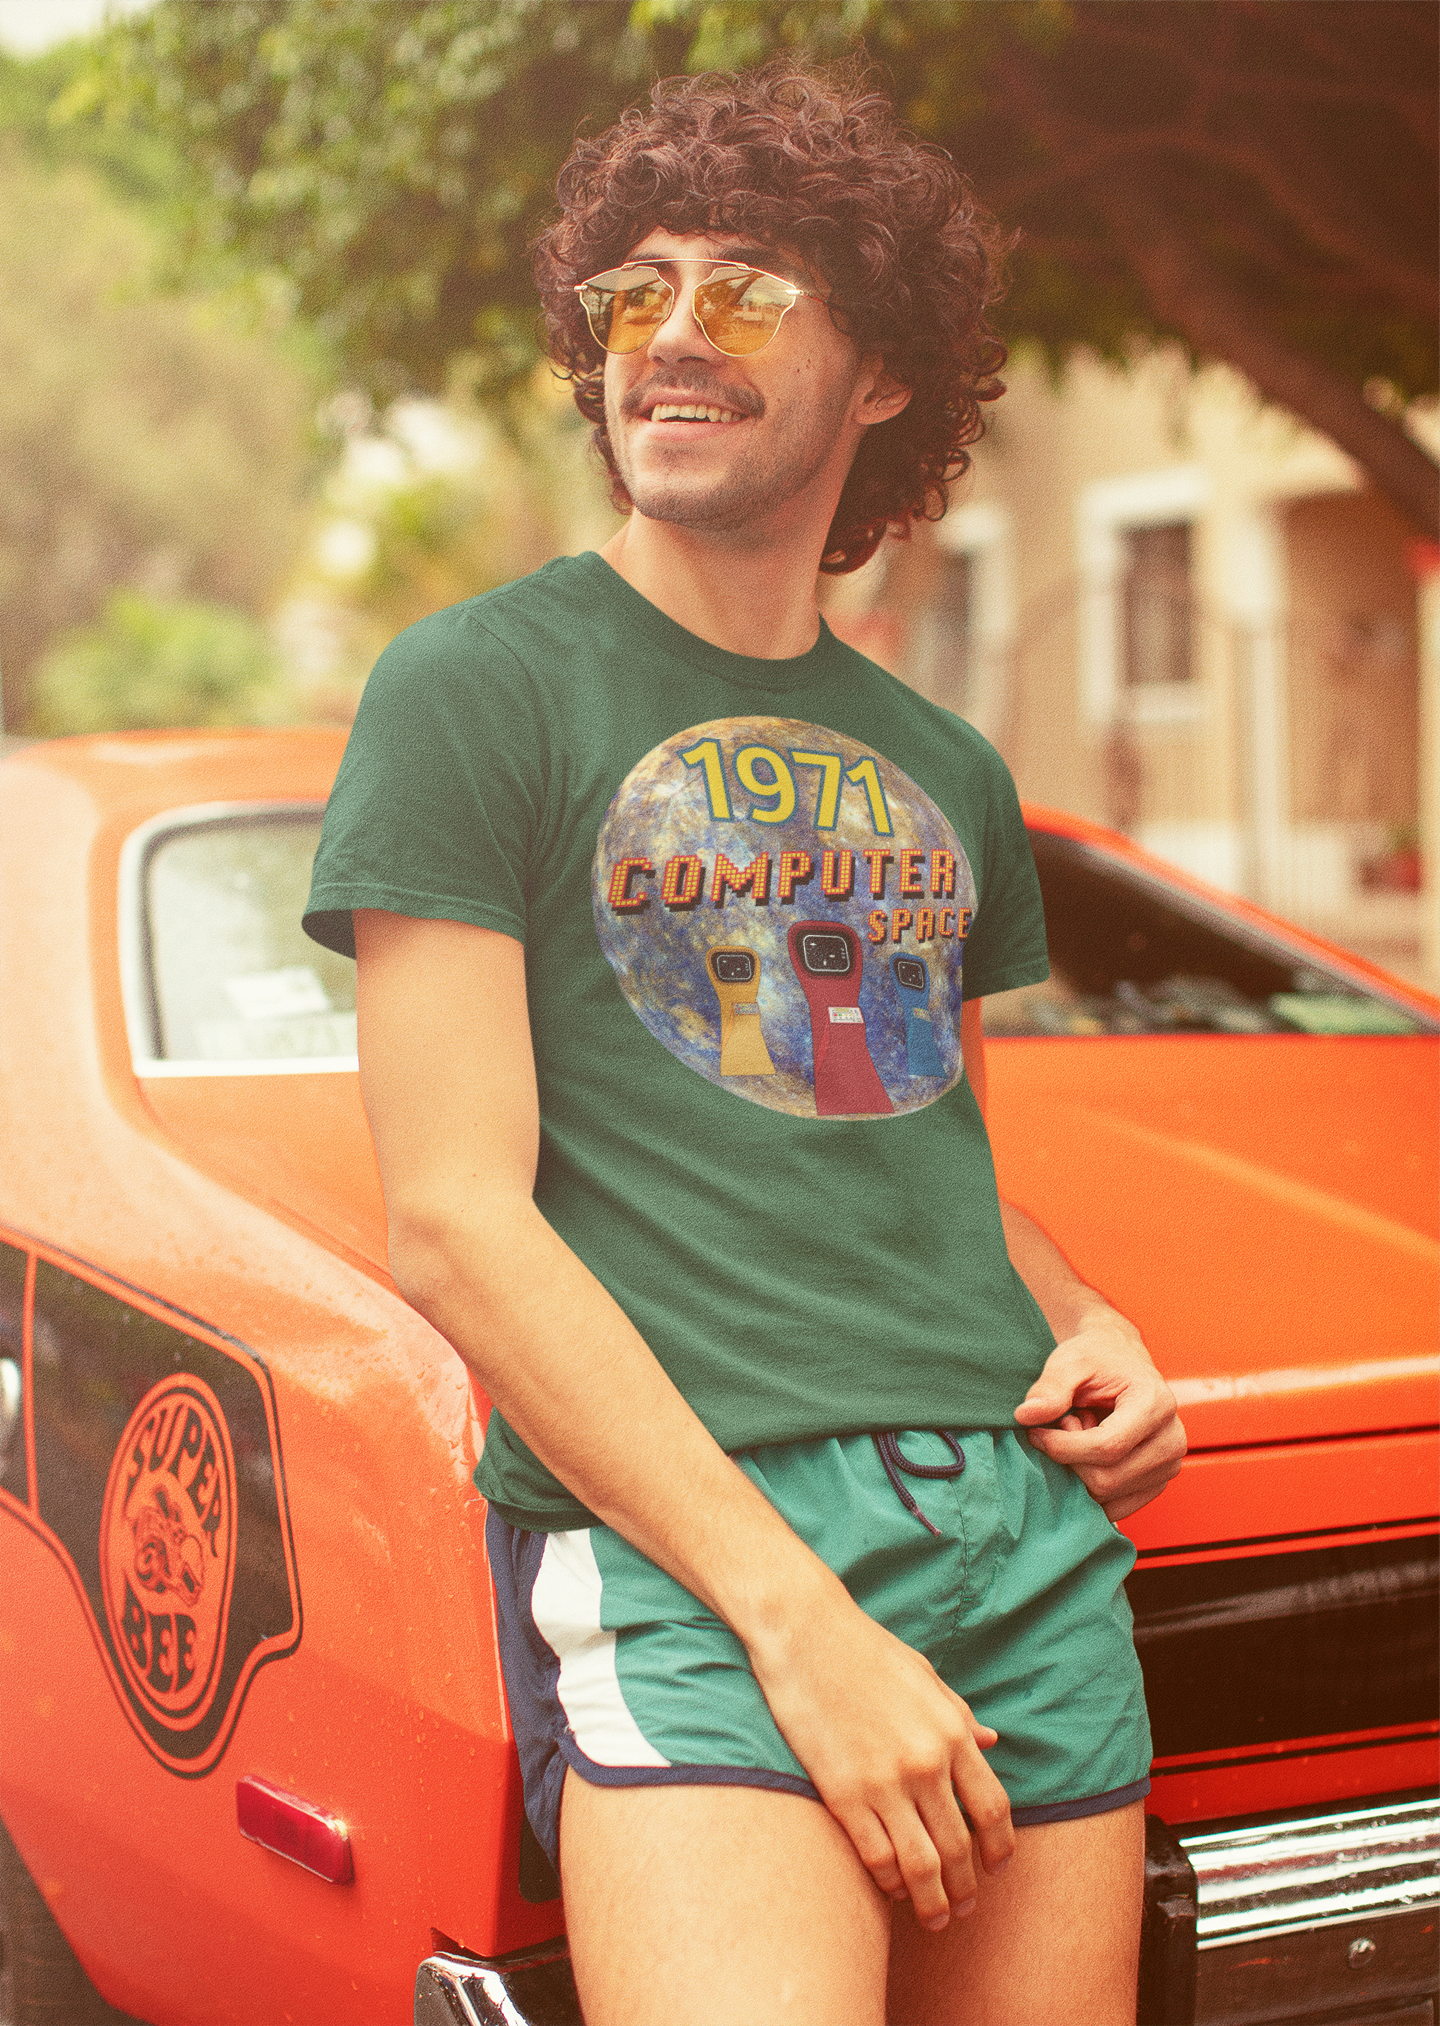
1307, 206
1186, 293
1347, 88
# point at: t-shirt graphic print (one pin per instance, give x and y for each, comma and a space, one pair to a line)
786, 912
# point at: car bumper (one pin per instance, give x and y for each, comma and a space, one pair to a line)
1328, 1917
1331, 1917
534, 1987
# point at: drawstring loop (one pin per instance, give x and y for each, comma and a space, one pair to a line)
887, 1444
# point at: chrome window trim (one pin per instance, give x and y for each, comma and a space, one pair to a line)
136, 988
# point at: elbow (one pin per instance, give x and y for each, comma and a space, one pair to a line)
423, 1261
443, 1262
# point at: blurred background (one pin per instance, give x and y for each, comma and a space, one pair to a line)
271, 386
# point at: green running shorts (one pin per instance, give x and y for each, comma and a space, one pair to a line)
1004, 1573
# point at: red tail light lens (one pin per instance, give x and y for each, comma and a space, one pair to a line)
295, 1829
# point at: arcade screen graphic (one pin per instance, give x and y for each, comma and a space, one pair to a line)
786, 912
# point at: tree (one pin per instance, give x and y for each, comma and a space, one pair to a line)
1255, 179
153, 662
155, 442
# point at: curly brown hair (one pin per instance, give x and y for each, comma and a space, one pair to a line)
815, 161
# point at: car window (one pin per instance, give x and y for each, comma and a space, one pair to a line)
232, 975
1131, 954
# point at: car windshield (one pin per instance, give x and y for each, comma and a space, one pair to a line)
232, 975
1131, 954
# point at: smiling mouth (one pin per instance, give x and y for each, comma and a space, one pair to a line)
690, 411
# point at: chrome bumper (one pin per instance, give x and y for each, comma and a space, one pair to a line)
531, 1988
1333, 1918
1334, 1914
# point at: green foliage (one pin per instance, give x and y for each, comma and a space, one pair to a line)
150, 663
391, 161
160, 442
518, 488
53, 104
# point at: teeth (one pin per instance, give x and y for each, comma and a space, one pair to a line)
671, 411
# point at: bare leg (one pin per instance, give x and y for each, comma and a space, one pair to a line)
718, 1906
1054, 1942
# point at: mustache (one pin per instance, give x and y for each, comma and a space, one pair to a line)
691, 387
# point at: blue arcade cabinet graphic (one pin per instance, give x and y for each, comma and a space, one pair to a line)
912, 984
826, 957
735, 974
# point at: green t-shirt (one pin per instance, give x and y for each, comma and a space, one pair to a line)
746, 890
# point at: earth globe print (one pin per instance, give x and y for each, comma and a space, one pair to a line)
786, 912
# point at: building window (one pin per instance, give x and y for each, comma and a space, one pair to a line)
1139, 549
1157, 605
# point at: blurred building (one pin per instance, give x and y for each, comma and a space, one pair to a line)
1182, 613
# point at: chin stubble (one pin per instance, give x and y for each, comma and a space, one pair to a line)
730, 502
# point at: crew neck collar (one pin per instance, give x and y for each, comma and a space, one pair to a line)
748, 671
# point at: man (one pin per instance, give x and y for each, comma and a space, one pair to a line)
673, 920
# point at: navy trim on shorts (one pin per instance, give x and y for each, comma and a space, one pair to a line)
1089, 1804
683, 1776
788, 1783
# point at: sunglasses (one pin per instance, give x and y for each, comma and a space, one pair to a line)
738, 308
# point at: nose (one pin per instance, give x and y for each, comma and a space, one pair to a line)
680, 337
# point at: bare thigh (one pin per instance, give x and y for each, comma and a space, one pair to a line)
1054, 1942
713, 1906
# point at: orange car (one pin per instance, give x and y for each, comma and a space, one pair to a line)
256, 1760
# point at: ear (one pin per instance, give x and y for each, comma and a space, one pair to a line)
879, 396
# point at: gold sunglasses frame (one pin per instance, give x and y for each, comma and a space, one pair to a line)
720, 271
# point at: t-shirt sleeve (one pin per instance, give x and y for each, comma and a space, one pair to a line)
1006, 945
440, 796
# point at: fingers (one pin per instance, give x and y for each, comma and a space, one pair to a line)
932, 1847
875, 1849
935, 1849
912, 1835
987, 1806
1121, 1475
922, 1857
961, 1816
1046, 1401
1128, 1433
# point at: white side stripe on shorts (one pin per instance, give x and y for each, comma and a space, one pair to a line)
565, 1604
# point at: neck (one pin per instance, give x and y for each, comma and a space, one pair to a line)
748, 594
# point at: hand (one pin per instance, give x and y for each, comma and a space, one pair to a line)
894, 1753
1101, 1408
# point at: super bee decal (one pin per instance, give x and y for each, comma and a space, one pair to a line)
156, 1474
787, 912
167, 1550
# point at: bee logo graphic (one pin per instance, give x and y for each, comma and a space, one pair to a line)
167, 1549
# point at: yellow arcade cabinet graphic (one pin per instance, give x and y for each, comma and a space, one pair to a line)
735, 974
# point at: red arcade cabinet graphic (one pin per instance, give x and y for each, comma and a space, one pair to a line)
735, 974
826, 956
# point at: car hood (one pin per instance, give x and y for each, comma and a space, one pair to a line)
1263, 1208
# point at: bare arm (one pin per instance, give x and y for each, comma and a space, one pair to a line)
449, 1085
1099, 1405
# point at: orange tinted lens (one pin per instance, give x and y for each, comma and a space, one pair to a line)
741, 312
624, 319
